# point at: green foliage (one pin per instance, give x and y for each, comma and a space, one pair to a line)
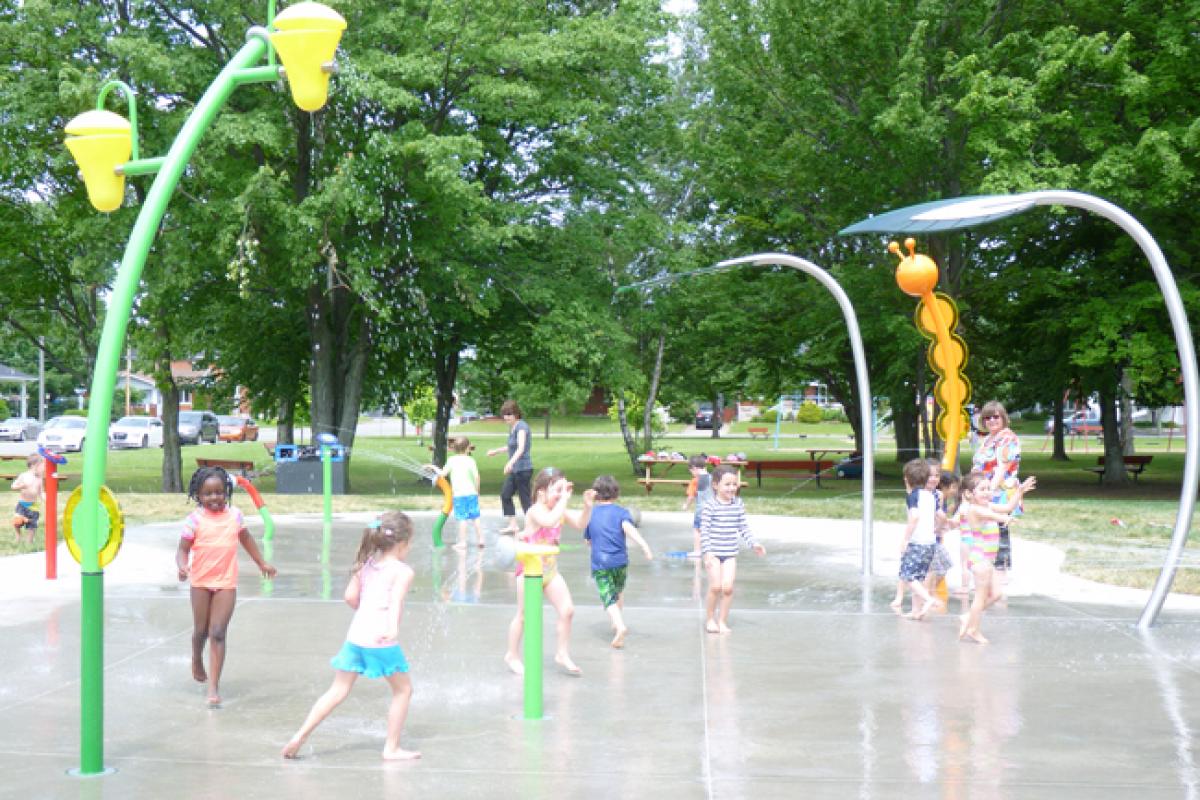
833, 414
809, 413
770, 415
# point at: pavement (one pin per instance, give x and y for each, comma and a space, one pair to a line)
820, 691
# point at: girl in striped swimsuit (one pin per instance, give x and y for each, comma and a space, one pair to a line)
723, 528
981, 521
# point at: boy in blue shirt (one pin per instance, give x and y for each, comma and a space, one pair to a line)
605, 535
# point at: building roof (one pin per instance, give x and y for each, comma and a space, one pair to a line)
10, 375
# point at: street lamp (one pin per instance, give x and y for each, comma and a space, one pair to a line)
98, 141
967, 212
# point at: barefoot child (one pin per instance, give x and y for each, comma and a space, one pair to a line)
464, 485
207, 554
919, 543
379, 580
945, 523
543, 525
723, 526
698, 493
911, 497
605, 534
28, 485
981, 521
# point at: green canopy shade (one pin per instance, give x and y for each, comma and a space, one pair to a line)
943, 215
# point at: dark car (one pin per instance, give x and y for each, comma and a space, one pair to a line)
704, 417
198, 426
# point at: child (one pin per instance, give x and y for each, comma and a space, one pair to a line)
605, 534
722, 525
946, 496
543, 525
699, 492
464, 485
379, 580
919, 543
981, 521
910, 498
207, 554
29, 485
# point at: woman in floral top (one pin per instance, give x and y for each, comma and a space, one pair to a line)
998, 457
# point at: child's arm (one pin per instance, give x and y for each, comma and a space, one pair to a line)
475, 472
748, 538
1028, 485
632, 533
913, 516
580, 518
247, 541
403, 584
353, 590
21, 482
181, 557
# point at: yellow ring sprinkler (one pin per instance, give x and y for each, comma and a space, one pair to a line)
936, 318
531, 557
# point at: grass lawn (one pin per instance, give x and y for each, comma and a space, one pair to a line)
1117, 536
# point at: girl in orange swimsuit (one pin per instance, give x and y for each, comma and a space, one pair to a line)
543, 525
981, 521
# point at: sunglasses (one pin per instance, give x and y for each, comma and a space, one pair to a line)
986, 417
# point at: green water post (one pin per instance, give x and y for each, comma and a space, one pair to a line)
532, 557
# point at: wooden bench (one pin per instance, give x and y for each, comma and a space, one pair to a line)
1134, 465
1087, 430
60, 475
270, 448
228, 464
757, 432
788, 466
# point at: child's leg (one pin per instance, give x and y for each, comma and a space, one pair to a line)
478, 532
728, 575
969, 627
220, 612
618, 624
696, 541
201, 602
712, 566
461, 544
928, 601
343, 682
512, 656
898, 602
964, 586
560, 597
397, 712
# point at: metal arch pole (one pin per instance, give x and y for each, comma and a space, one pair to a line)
1187, 362
104, 379
860, 370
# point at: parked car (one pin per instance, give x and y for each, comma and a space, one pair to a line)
237, 429
136, 432
704, 416
468, 416
63, 433
20, 429
198, 426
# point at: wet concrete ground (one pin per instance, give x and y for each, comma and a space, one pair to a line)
819, 692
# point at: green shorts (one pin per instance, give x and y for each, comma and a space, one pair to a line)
610, 583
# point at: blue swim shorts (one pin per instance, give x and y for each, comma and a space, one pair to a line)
466, 507
371, 662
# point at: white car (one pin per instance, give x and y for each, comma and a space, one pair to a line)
63, 433
20, 429
136, 432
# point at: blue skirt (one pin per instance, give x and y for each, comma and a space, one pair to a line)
371, 662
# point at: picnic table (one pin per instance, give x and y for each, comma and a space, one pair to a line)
665, 465
814, 464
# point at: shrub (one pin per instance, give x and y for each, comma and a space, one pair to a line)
809, 413
770, 415
833, 414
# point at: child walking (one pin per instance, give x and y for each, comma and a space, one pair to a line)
605, 534
981, 521
919, 543
464, 486
699, 492
543, 525
30, 492
207, 554
723, 527
379, 580
911, 500
945, 521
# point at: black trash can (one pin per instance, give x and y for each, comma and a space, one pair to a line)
302, 474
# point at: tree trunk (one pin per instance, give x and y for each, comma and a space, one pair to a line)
648, 417
1114, 462
285, 428
445, 373
546, 431
1056, 415
718, 415
172, 471
904, 423
1127, 413
631, 444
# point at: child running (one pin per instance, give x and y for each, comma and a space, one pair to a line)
919, 543
981, 521
945, 521
605, 534
464, 485
723, 527
543, 525
30, 493
379, 580
699, 491
207, 554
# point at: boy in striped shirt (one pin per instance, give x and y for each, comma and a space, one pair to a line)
723, 527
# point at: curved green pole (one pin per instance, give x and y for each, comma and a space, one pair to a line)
131, 101
104, 378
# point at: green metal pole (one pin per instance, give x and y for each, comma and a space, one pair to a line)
327, 485
104, 378
533, 646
